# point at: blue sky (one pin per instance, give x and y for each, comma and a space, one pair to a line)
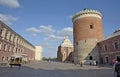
47, 22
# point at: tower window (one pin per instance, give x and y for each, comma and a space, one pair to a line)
91, 26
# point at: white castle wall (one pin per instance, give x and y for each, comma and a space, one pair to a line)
38, 53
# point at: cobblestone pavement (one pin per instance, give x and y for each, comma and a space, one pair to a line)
55, 69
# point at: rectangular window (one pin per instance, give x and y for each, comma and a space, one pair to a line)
116, 45
91, 26
76, 43
105, 48
1, 30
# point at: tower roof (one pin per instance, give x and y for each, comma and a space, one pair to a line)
66, 42
86, 13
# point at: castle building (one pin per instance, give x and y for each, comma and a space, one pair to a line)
110, 48
12, 43
87, 32
65, 50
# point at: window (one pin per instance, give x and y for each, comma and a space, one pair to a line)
5, 47
16, 50
10, 37
3, 58
12, 49
8, 48
76, 43
1, 30
116, 45
64, 54
91, 26
105, 48
21, 51
6, 35
0, 45
7, 58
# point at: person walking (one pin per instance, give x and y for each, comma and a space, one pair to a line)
114, 66
81, 64
117, 67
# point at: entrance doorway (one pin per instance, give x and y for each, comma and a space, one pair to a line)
106, 59
90, 58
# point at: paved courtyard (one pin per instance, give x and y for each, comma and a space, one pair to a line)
55, 69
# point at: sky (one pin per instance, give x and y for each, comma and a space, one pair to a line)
47, 22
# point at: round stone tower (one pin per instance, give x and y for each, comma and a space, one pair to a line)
87, 32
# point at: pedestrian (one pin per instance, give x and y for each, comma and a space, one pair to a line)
81, 63
114, 66
90, 63
49, 61
29, 61
94, 63
75, 63
117, 67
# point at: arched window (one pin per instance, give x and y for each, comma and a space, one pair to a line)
7, 58
5, 47
64, 54
0, 45
3, 58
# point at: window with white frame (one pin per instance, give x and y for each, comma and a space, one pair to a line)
5, 47
116, 44
105, 47
3, 58
8, 48
12, 49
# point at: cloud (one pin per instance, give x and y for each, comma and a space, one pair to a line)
10, 3
34, 35
48, 45
33, 30
8, 19
44, 30
70, 17
53, 38
61, 34
50, 33
66, 31
47, 30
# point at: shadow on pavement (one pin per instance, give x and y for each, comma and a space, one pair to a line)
31, 72
26, 71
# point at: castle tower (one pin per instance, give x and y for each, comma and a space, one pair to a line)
87, 32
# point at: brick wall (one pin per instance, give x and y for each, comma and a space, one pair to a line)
111, 51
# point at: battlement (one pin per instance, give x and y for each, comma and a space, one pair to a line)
87, 13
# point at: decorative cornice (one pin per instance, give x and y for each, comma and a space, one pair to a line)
86, 13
